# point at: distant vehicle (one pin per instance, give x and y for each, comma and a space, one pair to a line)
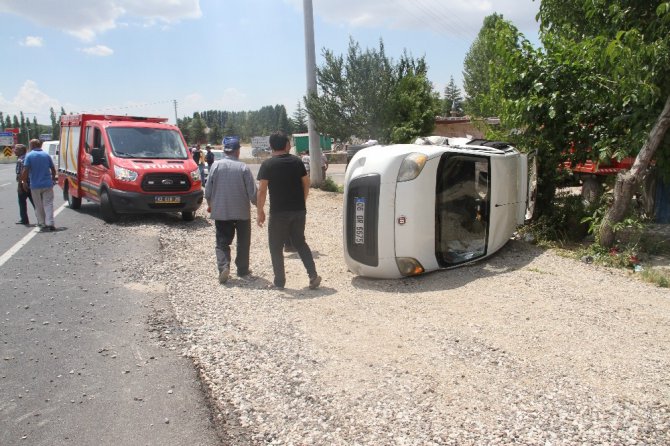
414, 208
127, 164
51, 147
353, 149
218, 154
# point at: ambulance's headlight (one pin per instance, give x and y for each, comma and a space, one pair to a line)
409, 266
411, 166
195, 175
124, 174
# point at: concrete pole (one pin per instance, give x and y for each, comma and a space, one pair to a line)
316, 177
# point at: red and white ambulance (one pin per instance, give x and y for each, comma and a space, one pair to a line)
127, 165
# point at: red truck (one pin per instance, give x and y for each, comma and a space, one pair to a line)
128, 165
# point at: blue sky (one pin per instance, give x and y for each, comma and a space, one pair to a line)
137, 56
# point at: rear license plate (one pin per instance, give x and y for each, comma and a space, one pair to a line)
359, 226
168, 199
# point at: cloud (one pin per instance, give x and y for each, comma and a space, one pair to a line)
32, 41
31, 101
459, 18
98, 50
86, 19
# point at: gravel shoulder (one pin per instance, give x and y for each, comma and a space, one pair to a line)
526, 347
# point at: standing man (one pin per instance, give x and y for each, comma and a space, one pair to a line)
197, 157
23, 189
40, 171
286, 178
229, 190
209, 156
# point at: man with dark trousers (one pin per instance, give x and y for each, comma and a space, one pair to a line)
284, 175
229, 191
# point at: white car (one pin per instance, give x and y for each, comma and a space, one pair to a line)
414, 208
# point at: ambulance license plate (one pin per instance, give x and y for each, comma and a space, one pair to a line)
168, 199
359, 223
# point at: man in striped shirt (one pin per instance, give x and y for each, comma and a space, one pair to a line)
229, 191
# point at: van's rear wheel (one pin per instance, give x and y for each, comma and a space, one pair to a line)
72, 202
188, 215
106, 209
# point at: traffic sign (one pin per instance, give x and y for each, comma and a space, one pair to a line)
7, 151
6, 139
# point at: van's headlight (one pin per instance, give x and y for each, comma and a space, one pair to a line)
411, 166
195, 175
408, 266
124, 174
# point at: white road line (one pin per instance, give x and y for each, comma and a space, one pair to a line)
21, 243
5, 184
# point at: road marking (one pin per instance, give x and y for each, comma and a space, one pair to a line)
21, 243
5, 184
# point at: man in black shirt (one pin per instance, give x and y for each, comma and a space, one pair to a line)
284, 175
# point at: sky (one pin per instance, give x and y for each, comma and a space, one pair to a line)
137, 57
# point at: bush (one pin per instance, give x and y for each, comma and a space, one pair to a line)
331, 186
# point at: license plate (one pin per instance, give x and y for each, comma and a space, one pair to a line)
168, 199
359, 226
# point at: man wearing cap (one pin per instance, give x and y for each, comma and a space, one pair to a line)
229, 191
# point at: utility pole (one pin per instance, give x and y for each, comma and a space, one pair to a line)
316, 175
175, 111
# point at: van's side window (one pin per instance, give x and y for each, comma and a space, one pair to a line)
93, 138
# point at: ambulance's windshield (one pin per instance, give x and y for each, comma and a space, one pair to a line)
146, 142
461, 209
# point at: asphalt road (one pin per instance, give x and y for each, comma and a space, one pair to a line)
89, 355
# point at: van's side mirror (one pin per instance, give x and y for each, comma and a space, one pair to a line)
98, 156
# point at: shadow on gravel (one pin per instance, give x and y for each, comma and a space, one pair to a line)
513, 256
172, 218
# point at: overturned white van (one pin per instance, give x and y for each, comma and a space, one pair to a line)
414, 208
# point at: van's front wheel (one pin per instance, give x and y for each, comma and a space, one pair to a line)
188, 215
106, 209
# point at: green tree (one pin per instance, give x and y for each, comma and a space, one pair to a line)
55, 124
481, 57
197, 129
366, 95
601, 83
299, 119
353, 94
413, 103
452, 101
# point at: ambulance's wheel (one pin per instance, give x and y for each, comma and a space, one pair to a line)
72, 202
188, 215
106, 209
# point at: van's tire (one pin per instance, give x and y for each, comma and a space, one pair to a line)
72, 202
106, 210
188, 215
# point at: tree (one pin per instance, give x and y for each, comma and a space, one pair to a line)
600, 83
299, 119
413, 104
476, 69
55, 124
452, 101
362, 95
197, 129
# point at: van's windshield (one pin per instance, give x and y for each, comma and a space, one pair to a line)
146, 142
461, 208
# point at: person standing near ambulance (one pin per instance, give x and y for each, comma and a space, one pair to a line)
229, 190
23, 189
40, 171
